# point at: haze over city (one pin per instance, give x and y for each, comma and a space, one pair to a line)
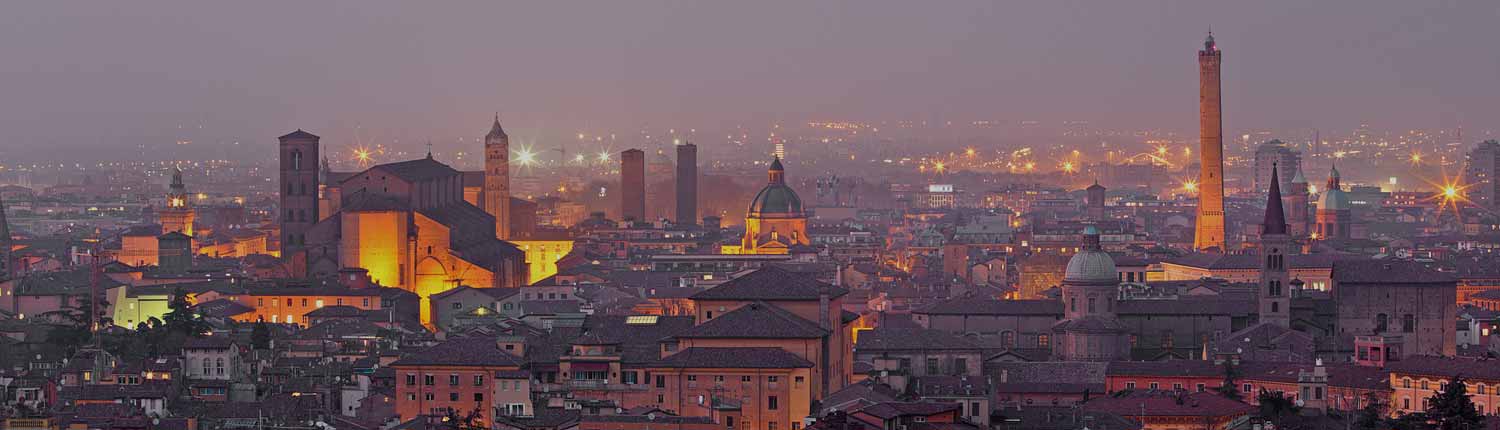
861, 215
112, 76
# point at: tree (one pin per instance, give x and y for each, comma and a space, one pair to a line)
1372, 416
181, 318
260, 336
1451, 408
1277, 408
1229, 388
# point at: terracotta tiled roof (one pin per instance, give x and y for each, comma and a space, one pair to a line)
1473, 368
732, 358
770, 284
757, 321
882, 339
1388, 272
973, 306
461, 352
1169, 404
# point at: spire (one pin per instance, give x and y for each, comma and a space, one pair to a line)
1298, 178
429, 150
1275, 222
495, 130
1333, 177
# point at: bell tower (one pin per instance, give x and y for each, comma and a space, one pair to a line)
1275, 299
299, 192
497, 178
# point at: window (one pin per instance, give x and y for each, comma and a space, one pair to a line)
1406, 383
1479, 387
304, 303
1091, 305
1424, 384
479, 397
367, 302
411, 396
744, 379
1130, 385
1408, 323
1008, 339
1380, 323
1043, 341
478, 380
318, 303
429, 396
427, 380
1166, 339
771, 403
453, 397
1247, 388
1073, 304
932, 366
771, 425
728, 420
1202, 388
457, 305
960, 366
661, 381
1177, 386
1155, 386
773, 378
797, 381
453, 380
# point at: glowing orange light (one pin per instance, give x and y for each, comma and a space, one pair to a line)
1190, 186
1067, 166
939, 167
970, 152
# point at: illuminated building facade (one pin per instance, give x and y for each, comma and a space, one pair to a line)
178, 215
497, 178
408, 225
775, 221
633, 185
1210, 231
1274, 154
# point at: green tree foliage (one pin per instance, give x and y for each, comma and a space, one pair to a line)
1451, 408
260, 336
1229, 388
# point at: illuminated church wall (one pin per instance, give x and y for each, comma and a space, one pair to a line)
376, 242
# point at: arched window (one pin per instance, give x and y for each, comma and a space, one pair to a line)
1381, 323
1073, 303
1408, 323
296, 159
219, 366
1091, 305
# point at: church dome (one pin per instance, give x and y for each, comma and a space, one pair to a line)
1091, 265
1333, 200
776, 199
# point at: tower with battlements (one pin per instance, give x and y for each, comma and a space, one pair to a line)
1210, 233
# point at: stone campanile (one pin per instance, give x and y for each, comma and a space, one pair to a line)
1275, 297
299, 192
1210, 233
497, 178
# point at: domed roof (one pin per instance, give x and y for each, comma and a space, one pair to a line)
1333, 199
1091, 265
776, 199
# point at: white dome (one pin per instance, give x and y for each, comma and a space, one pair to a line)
1091, 266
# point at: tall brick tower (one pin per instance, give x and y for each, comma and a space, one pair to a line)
633, 185
299, 193
1210, 234
1297, 200
497, 178
687, 184
1275, 301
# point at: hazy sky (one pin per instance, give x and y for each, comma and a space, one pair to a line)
92, 73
